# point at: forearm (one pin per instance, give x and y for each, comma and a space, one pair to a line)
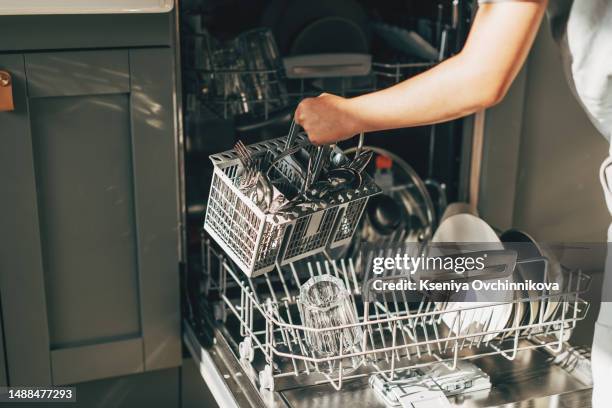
478, 77
448, 91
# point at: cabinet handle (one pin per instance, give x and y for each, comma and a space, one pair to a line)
6, 92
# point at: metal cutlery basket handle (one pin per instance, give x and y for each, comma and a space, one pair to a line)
256, 237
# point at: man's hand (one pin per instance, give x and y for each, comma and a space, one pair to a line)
327, 119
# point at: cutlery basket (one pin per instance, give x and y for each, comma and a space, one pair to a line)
256, 240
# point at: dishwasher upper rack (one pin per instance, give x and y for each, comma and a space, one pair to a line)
258, 241
397, 337
381, 76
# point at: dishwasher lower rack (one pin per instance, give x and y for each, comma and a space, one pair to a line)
397, 336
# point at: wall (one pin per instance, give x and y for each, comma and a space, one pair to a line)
541, 156
558, 197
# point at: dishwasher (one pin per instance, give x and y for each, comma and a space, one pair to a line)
244, 69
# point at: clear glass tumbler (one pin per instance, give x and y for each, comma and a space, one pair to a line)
261, 57
325, 303
229, 80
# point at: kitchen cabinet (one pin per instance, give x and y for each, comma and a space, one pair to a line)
3, 379
89, 214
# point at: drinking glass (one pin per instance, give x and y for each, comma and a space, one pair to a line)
258, 49
229, 81
200, 47
325, 303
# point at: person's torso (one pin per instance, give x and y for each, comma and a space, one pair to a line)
583, 30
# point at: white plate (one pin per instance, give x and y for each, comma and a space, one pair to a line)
555, 275
466, 228
535, 272
519, 314
527, 271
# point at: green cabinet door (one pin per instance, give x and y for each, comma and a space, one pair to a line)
89, 213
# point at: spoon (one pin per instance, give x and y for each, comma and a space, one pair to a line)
361, 161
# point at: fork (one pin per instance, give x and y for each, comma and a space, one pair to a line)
249, 176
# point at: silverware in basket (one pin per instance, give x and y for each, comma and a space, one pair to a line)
249, 167
253, 182
257, 210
